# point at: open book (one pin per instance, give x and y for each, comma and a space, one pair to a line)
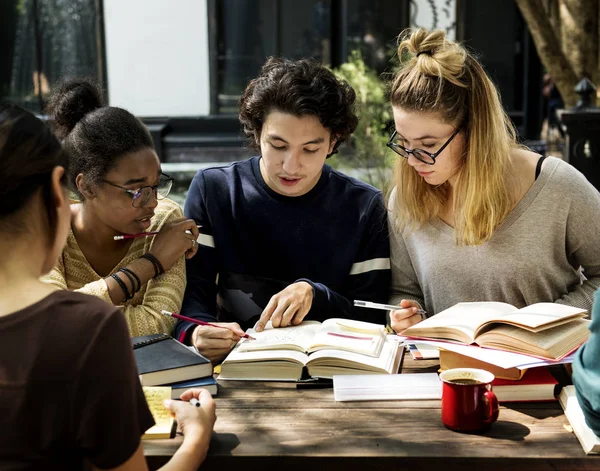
337, 346
545, 330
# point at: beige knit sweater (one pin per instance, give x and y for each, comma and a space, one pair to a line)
142, 313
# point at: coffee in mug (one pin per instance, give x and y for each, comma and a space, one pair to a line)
468, 402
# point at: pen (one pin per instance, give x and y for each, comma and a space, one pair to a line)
195, 402
141, 234
385, 307
199, 322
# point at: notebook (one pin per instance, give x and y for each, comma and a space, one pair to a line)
165, 425
163, 360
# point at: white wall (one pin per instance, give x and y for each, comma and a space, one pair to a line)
157, 56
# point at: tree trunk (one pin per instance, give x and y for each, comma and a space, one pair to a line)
549, 48
579, 26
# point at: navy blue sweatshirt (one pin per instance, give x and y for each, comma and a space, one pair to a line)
256, 242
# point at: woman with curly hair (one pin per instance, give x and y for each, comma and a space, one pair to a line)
474, 215
120, 189
286, 237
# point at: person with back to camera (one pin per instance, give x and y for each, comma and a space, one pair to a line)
116, 175
474, 216
69, 391
586, 372
288, 237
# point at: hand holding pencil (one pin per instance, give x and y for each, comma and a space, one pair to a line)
175, 238
214, 340
407, 314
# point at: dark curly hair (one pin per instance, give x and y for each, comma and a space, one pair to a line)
95, 136
301, 87
29, 152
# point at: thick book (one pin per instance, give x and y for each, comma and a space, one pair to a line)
412, 386
163, 360
450, 359
536, 385
311, 336
588, 439
545, 330
209, 383
312, 349
165, 425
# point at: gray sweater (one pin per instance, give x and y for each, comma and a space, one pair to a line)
537, 254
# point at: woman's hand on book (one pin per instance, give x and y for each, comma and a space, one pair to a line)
288, 307
175, 239
196, 423
402, 319
215, 343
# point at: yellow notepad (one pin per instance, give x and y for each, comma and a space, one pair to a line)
166, 425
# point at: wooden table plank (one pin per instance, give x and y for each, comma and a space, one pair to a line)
274, 425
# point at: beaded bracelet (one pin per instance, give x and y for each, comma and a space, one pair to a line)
158, 268
123, 286
131, 274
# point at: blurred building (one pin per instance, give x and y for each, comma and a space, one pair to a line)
182, 64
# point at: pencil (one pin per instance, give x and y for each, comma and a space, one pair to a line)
141, 234
199, 322
385, 307
134, 236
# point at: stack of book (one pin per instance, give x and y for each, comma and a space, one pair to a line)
313, 350
163, 361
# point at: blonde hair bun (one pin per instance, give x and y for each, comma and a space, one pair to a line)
432, 54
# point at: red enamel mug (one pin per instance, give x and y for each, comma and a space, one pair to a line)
468, 402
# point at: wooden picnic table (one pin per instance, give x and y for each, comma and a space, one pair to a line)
274, 425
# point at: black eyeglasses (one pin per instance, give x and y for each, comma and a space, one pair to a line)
422, 155
141, 196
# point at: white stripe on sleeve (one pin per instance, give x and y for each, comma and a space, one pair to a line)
370, 265
206, 240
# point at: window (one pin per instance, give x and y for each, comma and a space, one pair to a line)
246, 33
44, 40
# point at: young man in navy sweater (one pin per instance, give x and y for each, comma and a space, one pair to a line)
285, 237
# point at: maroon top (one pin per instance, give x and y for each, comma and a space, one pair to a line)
69, 388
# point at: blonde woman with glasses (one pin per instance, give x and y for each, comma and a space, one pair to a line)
128, 242
474, 216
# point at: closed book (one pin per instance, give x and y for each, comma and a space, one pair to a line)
450, 359
537, 384
209, 383
588, 439
162, 360
411, 386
